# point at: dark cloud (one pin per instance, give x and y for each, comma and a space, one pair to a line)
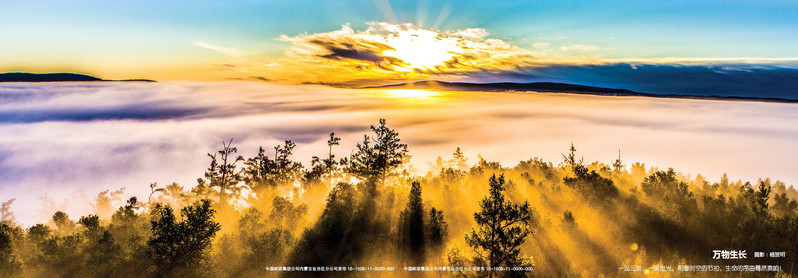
66, 103
142, 112
358, 50
387, 51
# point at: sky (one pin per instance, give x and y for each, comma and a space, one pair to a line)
302, 41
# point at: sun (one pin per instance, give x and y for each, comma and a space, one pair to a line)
420, 49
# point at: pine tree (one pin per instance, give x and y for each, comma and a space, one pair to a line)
378, 161
617, 165
260, 171
458, 160
570, 159
179, 248
502, 227
412, 239
436, 230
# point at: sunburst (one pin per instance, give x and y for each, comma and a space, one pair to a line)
419, 49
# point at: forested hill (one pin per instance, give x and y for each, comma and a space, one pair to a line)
54, 77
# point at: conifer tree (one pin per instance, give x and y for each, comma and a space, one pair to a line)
502, 227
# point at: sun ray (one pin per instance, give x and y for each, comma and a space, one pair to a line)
420, 48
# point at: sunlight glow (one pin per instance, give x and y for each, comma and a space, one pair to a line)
420, 49
413, 94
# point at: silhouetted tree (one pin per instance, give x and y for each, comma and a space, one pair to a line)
617, 165
412, 240
333, 141
458, 160
90, 222
179, 248
62, 222
669, 192
591, 184
287, 171
102, 254
285, 214
783, 206
256, 248
154, 188
570, 159
437, 230
347, 230
325, 168
224, 175
568, 217
38, 233
502, 227
10, 265
378, 161
258, 170
332, 240
262, 172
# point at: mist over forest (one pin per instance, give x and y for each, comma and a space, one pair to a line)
63, 143
380, 138
248, 216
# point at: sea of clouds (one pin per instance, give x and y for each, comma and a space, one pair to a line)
63, 143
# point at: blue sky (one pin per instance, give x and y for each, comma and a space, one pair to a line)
157, 39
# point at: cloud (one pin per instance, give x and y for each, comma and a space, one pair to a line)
229, 51
579, 47
56, 157
384, 53
727, 80
387, 51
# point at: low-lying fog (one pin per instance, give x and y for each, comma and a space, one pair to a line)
63, 143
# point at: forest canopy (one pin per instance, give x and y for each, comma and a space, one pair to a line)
367, 214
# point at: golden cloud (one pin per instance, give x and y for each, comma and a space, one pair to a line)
385, 52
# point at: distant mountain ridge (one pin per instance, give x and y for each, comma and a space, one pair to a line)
552, 87
54, 77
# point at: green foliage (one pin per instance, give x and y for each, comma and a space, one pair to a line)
783, 206
591, 184
380, 160
90, 222
39, 233
260, 172
502, 227
285, 220
62, 222
253, 247
670, 193
286, 214
180, 247
664, 184
9, 263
